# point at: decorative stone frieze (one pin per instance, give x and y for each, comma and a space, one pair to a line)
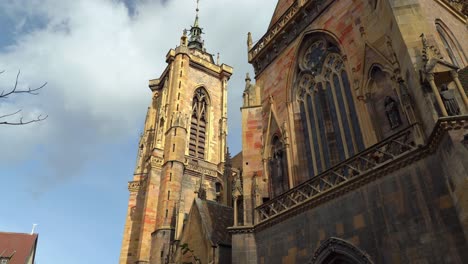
241, 229
199, 169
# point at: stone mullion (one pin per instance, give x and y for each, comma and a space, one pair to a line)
338, 116
309, 128
197, 138
317, 128
207, 132
348, 110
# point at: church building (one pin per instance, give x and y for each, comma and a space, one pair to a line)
354, 142
355, 135
181, 153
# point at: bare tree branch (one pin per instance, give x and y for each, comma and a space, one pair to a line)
4, 95
10, 114
15, 91
38, 119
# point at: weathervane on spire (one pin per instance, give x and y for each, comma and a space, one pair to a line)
195, 32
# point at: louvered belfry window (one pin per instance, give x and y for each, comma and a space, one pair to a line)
198, 124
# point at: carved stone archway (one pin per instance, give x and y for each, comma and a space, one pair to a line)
338, 251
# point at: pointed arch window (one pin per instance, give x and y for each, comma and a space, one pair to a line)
451, 45
198, 124
328, 115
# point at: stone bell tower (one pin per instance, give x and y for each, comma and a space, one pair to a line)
182, 147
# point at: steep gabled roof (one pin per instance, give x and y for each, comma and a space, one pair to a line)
281, 7
18, 246
216, 218
236, 161
221, 218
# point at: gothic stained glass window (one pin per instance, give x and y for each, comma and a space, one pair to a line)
306, 135
338, 88
198, 124
315, 55
328, 116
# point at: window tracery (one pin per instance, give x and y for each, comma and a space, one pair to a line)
451, 45
198, 124
330, 126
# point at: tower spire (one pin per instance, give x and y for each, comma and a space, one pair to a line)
195, 32
195, 24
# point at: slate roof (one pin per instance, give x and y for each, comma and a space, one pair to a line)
18, 246
216, 218
236, 161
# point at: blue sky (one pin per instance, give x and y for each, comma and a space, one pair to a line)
69, 173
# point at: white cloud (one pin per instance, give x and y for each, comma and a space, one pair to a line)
97, 60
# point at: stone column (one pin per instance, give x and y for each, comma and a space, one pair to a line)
405, 99
460, 88
235, 211
430, 78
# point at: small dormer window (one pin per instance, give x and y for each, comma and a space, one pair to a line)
4, 260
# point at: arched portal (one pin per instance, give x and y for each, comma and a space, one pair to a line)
339, 251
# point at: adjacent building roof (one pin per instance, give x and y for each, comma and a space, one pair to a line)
236, 161
18, 247
216, 218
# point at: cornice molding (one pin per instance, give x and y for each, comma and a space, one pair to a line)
241, 229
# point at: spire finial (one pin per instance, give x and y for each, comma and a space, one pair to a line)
195, 32
196, 15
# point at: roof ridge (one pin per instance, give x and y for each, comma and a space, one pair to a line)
17, 233
219, 204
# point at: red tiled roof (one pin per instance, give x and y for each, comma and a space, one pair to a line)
19, 246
